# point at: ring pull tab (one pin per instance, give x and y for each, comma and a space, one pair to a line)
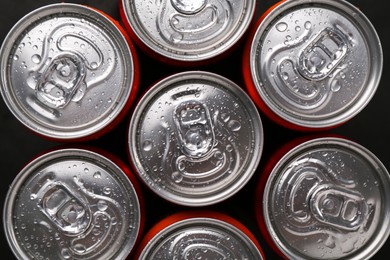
322, 55
188, 6
195, 129
66, 211
61, 80
342, 208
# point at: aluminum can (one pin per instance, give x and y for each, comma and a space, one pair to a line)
312, 65
69, 72
199, 235
73, 203
195, 138
324, 198
187, 32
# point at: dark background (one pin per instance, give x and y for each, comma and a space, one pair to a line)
370, 128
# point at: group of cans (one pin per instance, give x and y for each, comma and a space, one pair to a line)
195, 138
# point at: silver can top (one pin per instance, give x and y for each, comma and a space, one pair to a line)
201, 238
71, 204
316, 63
189, 30
195, 138
67, 71
328, 198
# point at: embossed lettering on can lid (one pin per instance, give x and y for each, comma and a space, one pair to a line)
195, 138
315, 64
201, 238
68, 71
328, 198
188, 30
72, 204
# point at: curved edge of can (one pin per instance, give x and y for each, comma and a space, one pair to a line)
280, 158
159, 228
150, 48
149, 95
83, 151
266, 106
122, 108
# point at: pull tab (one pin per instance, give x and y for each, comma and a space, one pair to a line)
66, 211
61, 80
339, 207
194, 127
323, 54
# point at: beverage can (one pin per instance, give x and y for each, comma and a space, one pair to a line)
69, 73
312, 65
324, 198
73, 203
187, 32
195, 138
199, 235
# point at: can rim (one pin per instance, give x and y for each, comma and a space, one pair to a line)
379, 237
223, 45
169, 82
36, 163
51, 130
375, 57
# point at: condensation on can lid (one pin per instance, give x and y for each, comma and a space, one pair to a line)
328, 198
72, 203
201, 238
189, 30
195, 138
316, 64
68, 71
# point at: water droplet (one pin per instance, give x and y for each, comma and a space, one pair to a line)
281, 27
16, 57
234, 125
35, 47
65, 253
335, 87
80, 248
97, 175
36, 58
94, 65
86, 170
107, 190
177, 177
307, 25
147, 145
102, 205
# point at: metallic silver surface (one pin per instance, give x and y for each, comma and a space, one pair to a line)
328, 198
71, 204
195, 138
200, 238
316, 63
67, 71
189, 30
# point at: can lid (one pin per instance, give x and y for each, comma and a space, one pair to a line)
316, 64
201, 238
67, 71
328, 198
195, 138
72, 203
189, 30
